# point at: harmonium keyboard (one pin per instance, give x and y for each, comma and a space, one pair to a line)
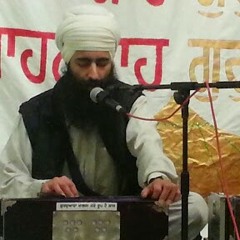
84, 218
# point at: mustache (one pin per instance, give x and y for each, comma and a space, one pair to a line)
91, 83
82, 84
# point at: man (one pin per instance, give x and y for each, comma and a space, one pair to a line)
65, 144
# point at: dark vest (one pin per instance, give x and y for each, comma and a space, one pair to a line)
51, 146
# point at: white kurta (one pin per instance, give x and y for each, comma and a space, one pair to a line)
96, 165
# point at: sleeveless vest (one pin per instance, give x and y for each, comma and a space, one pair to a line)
51, 146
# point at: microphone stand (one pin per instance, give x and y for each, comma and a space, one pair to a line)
182, 92
180, 96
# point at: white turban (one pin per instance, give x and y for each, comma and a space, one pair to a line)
87, 28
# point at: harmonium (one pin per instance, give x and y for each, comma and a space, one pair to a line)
220, 226
85, 218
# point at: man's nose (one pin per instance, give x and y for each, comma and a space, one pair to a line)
93, 72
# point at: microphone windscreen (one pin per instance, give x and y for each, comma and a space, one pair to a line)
94, 93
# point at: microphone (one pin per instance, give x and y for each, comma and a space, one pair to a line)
98, 95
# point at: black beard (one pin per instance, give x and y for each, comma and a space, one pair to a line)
74, 96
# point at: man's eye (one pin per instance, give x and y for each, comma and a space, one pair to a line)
84, 62
102, 62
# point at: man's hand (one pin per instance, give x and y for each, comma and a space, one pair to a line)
60, 186
163, 191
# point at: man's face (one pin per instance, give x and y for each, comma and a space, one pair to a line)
85, 71
90, 65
